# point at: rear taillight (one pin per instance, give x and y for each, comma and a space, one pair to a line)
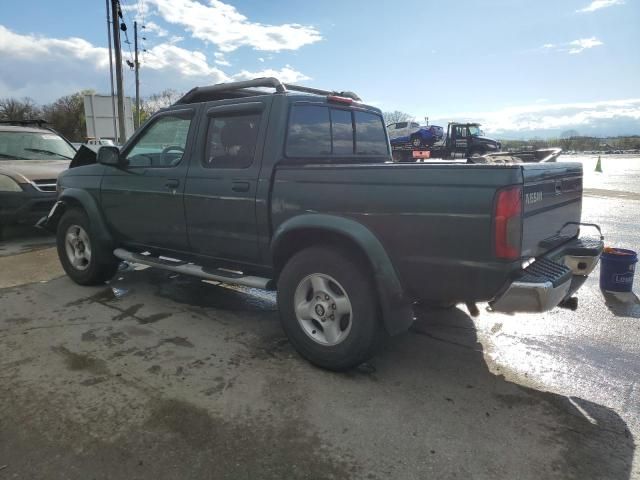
508, 223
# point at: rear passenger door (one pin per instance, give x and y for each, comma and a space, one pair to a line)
220, 192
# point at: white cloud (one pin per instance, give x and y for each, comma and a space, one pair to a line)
45, 68
554, 117
221, 60
573, 47
156, 29
185, 62
582, 44
598, 4
222, 25
140, 8
32, 47
286, 74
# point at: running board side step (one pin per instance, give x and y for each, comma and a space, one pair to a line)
217, 275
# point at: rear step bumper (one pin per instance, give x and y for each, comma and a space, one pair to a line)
549, 280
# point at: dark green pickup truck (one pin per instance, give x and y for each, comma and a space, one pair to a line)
295, 190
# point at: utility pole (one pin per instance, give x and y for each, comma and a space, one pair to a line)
113, 101
117, 47
137, 67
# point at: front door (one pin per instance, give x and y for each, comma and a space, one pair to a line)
143, 200
461, 143
220, 194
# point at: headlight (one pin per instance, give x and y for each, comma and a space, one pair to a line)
8, 184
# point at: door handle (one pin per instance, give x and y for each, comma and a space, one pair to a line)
172, 183
240, 186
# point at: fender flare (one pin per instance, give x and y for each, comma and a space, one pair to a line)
73, 196
397, 312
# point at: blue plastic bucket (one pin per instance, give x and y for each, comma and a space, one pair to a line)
617, 267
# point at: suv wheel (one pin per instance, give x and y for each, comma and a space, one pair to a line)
416, 141
83, 259
328, 308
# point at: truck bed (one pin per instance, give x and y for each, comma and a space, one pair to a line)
436, 220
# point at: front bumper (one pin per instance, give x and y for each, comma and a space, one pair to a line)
551, 279
27, 206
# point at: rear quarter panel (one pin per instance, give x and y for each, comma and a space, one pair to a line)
435, 221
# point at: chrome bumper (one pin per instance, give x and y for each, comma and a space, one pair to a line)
545, 294
531, 297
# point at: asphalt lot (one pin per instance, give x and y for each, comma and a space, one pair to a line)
162, 376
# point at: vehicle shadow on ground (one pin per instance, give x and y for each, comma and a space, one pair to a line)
438, 372
622, 304
16, 239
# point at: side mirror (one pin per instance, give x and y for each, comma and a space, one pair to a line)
108, 155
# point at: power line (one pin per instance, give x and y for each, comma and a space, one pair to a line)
123, 26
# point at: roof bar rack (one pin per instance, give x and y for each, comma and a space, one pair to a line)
317, 91
36, 121
224, 87
270, 82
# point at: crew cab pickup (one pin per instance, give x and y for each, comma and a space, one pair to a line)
295, 190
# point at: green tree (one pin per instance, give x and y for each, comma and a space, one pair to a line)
66, 115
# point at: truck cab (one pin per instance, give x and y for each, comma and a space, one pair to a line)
469, 140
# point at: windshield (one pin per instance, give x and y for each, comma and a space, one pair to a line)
18, 145
474, 131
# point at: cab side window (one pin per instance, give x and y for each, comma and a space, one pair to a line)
461, 131
231, 141
162, 144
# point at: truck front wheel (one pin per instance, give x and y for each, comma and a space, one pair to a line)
81, 256
328, 308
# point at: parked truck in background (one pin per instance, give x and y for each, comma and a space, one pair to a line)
462, 140
294, 191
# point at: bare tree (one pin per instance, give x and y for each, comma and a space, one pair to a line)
395, 116
18, 109
156, 101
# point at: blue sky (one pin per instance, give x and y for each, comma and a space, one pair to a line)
523, 68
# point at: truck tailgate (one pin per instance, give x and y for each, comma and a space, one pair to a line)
552, 200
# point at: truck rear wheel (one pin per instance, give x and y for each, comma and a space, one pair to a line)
84, 260
328, 308
416, 141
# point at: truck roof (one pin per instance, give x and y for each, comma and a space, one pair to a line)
250, 88
31, 126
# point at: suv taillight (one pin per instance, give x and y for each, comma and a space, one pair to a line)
508, 223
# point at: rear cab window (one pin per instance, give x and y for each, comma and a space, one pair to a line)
328, 132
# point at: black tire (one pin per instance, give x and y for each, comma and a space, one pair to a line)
416, 141
101, 266
477, 152
365, 330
